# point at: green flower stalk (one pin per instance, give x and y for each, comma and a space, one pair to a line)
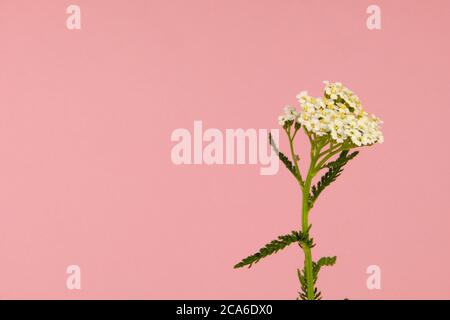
334, 124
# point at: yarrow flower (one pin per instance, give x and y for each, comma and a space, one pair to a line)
338, 113
290, 116
334, 124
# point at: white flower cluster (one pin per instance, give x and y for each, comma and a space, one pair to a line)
290, 116
338, 113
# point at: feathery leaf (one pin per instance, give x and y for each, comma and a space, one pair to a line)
335, 169
289, 165
302, 277
275, 246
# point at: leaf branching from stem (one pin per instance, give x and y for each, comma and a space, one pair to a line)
289, 165
275, 246
302, 277
335, 169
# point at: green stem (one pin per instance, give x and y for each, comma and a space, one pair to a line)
305, 247
294, 157
315, 151
305, 185
328, 156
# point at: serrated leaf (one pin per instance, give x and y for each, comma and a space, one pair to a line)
274, 246
302, 276
283, 158
324, 261
335, 169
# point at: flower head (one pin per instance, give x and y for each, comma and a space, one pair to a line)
289, 116
338, 114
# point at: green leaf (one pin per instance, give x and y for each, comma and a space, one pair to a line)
335, 169
289, 165
275, 246
324, 261
302, 277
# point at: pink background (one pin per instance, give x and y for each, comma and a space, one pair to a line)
86, 176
